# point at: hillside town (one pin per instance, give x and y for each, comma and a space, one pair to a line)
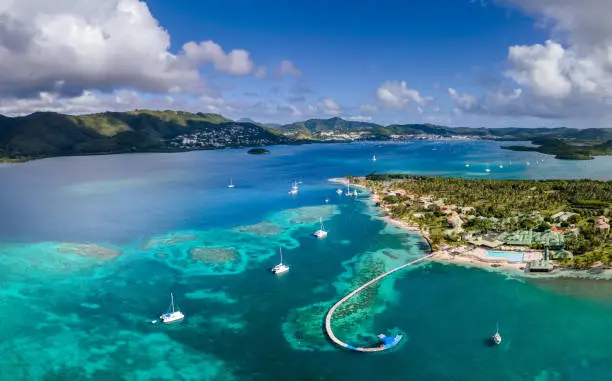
228, 135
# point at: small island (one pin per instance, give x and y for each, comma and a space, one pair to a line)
258, 151
526, 225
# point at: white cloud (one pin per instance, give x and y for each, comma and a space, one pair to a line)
236, 62
463, 101
260, 72
287, 68
396, 95
543, 68
360, 118
568, 76
326, 106
368, 108
69, 46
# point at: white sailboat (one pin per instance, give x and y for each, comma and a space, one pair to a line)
467, 165
294, 188
173, 314
339, 191
373, 157
281, 267
501, 166
321, 233
231, 184
348, 189
497, 339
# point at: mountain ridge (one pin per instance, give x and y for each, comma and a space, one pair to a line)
44, 134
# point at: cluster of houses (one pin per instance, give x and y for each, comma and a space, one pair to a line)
229, 135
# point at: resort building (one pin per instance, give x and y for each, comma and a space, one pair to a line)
562, 216
602, 224
550, 239
486, 243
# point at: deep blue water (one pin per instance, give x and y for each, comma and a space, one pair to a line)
89, 318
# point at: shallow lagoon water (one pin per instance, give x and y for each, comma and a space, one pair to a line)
156, 223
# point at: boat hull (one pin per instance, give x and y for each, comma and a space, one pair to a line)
172, 318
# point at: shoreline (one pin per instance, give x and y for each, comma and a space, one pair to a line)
464, 255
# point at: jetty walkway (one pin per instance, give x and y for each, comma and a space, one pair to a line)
328, 317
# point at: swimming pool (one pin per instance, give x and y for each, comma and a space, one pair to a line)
511, 256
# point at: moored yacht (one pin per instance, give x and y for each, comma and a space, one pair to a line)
373, 157
281, 267
321, 233
339, 191
348, 190
497, 339
173, 314
294, 188
231, 184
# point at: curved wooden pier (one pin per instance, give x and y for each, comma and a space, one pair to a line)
328, 317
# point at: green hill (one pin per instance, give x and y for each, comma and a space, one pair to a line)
313, 126
45, 134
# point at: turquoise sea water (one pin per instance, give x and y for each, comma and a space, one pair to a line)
91, 247
512, 256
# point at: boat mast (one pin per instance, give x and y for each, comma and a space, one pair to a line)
321, 221
281, 254
497, 331
172, 302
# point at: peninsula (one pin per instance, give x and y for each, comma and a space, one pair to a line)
524, 225
47, 134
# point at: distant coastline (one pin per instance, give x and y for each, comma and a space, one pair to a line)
46, 134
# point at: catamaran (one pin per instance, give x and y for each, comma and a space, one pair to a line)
281, 267
373, 157
173, 314
497, 339
231, 184
321, 233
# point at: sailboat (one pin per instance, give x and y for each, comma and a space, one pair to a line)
281, 267
467, 165
348, 189
294, 188
497, 337
231, 184
373, 157
321, 233
173, 314
501, 166
339, 191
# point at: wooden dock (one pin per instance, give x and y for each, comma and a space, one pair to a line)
328, 317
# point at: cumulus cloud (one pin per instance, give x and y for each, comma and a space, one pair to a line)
288, 68
118, 100
326, 106
360, 118
568, 76
396, 95
68, 47
368, 108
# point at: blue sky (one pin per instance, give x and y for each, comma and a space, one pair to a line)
456, 62
345, 52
